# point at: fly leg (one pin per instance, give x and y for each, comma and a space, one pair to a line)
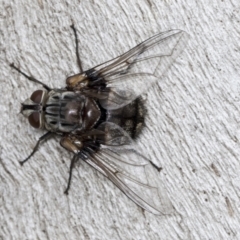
73, 145
155, 166
77, 52
74, 159
80, 147
159, 169
45, 137
30, 78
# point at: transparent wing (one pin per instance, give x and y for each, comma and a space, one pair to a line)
131, 74
137, 180
130, 171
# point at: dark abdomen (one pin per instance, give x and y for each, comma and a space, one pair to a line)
130, 117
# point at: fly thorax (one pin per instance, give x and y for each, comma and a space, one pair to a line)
70, 112
91, 114
63, 111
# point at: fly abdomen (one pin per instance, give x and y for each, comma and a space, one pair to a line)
130, 117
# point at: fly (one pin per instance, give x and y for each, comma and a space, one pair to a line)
100, 114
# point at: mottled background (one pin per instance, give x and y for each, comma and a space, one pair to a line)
193, 125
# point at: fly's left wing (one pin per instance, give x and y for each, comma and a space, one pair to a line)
121, 80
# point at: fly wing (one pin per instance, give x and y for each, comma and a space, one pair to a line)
131, 74
137, 180
130, 171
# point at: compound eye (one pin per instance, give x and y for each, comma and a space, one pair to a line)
36, 96
34, 119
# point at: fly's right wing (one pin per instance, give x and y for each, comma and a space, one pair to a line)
129, 170
137, 179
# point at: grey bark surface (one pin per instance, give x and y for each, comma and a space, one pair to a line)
192, 131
